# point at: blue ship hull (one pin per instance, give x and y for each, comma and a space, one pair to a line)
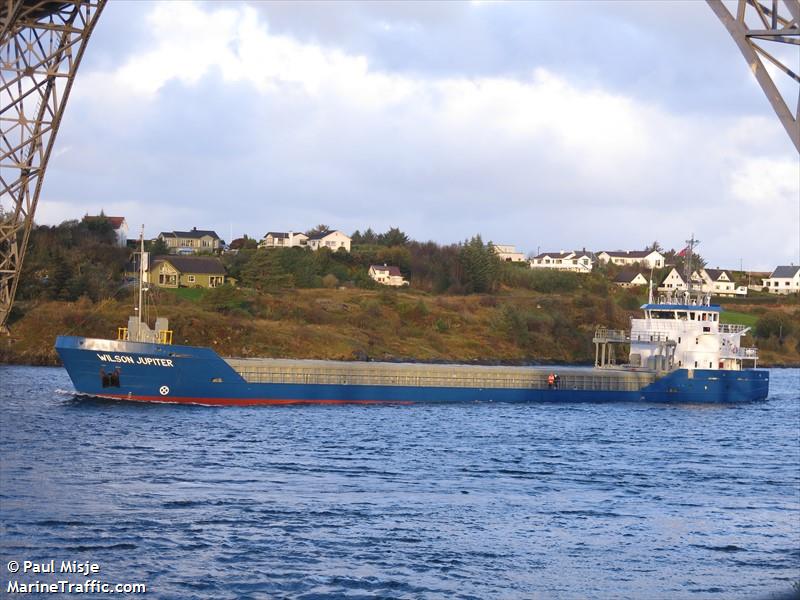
191, 375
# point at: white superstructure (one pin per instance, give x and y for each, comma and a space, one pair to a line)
685, 332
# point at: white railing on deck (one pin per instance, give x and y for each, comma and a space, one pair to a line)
658, 336
746, 353
611, 335
731, 328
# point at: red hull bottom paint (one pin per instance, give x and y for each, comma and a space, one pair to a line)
242, 401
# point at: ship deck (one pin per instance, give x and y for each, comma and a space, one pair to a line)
324, 372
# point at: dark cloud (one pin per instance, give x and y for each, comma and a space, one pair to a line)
672, 53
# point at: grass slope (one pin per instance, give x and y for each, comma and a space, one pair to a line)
347, 324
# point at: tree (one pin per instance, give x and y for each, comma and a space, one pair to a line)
264, 272
393, 237
244, 242
655, 247
369, 237
318, 229
158, 247
774, 324
480, 265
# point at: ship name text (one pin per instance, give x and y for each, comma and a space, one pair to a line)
138, 360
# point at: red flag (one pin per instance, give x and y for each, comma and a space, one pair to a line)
683, 252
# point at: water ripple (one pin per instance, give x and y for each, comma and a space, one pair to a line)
470, 501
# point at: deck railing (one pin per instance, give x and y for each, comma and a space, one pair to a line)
745, 353
732, 328
537, 380
611, 335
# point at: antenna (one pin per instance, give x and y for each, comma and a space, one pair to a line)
141, 284
688, 264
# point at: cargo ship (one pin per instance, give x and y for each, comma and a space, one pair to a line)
679, 351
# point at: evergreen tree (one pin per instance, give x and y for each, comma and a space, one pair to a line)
318, 229
480, 266
393, 237
158, 247
369, 237
264, 272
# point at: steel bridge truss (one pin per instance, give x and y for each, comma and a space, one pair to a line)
41, 47
773, 22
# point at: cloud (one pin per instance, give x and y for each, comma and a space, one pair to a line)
225, 114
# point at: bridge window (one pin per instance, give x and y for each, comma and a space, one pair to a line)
663, 314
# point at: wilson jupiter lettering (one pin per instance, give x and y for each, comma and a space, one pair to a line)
138, 360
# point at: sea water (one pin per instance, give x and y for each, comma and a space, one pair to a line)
624, 500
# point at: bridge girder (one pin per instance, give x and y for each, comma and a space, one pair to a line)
757, 22
41, 46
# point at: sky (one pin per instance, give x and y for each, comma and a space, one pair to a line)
547, 125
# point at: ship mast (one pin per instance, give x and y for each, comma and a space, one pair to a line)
138, 310
691, 243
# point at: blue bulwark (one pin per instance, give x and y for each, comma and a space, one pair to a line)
711, 308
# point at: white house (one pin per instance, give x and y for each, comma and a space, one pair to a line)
120, 230
579, 262
718, 283
282, 239
508, 253
647, 258
386, 275
630, 278
329, 239
674, 281
783, 280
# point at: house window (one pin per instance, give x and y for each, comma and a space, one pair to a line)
190, 278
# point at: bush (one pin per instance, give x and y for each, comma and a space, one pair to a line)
540, 280
774, 324
226, 299
630, 301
